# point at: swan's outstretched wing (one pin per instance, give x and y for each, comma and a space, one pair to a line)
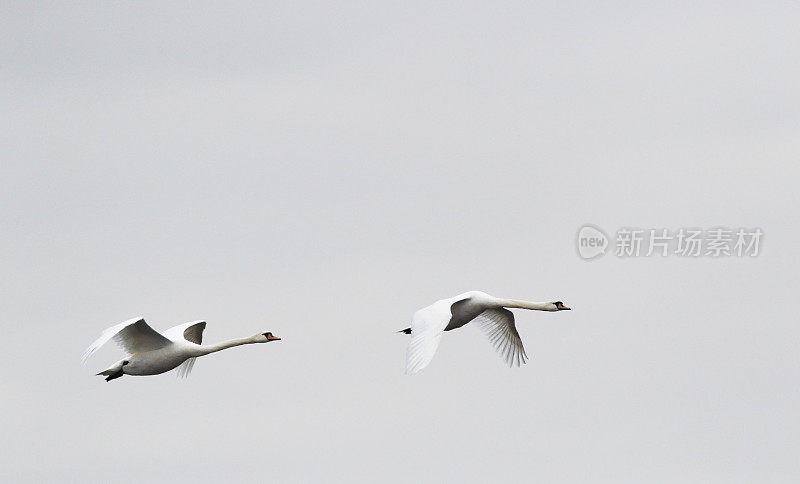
498, 324
191, 331
427, 327
133, 336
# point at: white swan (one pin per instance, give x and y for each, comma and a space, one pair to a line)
429, 323
151, 352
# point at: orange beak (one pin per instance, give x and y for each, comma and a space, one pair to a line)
273, 338
561, 307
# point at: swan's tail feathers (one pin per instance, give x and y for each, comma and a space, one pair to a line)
115, 375
114, 371
111, 373
406, 331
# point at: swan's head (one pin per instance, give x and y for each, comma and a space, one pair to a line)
559, 306
266, 337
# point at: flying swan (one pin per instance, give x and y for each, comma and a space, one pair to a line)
429, 323
152, 353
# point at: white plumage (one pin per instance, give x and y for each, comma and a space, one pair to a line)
429, 324
150, 352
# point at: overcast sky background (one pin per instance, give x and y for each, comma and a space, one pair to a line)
322, 170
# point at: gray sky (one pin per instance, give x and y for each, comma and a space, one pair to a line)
322, 170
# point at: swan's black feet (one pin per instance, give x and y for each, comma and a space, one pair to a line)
406, 331
114, 375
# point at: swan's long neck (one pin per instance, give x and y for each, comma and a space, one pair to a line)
514, 303
207, 349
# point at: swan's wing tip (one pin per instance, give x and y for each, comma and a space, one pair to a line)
185, 368
88, 352
417, 366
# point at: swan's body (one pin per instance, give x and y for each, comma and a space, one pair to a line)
429, 323
152, 353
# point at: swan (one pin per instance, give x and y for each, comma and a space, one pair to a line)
429, 323
152, 353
